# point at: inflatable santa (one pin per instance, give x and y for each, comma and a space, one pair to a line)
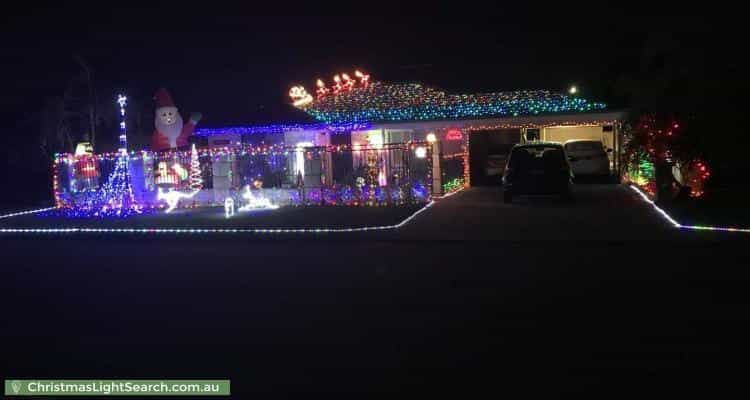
170, 131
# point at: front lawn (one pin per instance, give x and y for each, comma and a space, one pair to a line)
730, 208
214, 217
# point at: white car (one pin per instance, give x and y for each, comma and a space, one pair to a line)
587, 157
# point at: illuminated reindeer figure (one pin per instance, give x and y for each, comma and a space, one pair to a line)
172, 197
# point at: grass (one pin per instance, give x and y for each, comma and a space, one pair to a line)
719, 208
213, 217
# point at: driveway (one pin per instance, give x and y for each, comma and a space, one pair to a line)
597, 212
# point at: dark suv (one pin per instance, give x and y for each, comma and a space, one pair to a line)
537, 168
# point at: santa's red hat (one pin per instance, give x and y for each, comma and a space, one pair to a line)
163, 99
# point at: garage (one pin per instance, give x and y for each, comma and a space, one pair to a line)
488, 151
560, 134
602, 133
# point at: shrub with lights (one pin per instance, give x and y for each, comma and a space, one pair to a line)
661, 160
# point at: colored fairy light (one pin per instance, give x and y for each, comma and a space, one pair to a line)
284, 128
210, 231
380, 102
676, 224
159, 171
115, 197
453, 185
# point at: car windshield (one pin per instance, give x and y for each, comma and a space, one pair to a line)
584, 146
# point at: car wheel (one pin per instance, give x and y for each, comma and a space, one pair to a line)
507, 197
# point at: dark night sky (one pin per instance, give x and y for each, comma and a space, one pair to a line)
228, 62
235, 63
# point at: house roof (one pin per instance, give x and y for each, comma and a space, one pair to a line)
385, 102
281, 128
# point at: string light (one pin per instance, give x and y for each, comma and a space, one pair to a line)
676, 224
284, 128
196, 182
453, 185
275, 156
413, 102
208, 231
115, 198
16, 214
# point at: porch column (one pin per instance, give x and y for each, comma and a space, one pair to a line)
437, 173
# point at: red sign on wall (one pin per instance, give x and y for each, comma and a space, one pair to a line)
454, 134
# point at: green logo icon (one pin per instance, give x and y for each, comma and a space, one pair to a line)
16, 386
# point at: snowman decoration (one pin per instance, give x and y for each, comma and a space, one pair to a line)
171, 132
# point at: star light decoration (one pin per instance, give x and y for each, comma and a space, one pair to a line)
352, 101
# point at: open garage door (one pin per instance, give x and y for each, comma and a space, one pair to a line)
488, 151
606, 135
563, 133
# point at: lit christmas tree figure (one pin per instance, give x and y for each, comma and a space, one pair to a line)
117, 194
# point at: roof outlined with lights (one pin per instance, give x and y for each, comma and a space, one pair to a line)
385, 102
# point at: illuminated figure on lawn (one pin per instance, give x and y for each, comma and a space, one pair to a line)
253, 202
173, 197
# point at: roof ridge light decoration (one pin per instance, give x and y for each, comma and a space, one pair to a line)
381, 102
283, 128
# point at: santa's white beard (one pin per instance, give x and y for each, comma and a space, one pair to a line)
172, 132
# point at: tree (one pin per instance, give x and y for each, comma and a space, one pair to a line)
681, 79
91, 103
